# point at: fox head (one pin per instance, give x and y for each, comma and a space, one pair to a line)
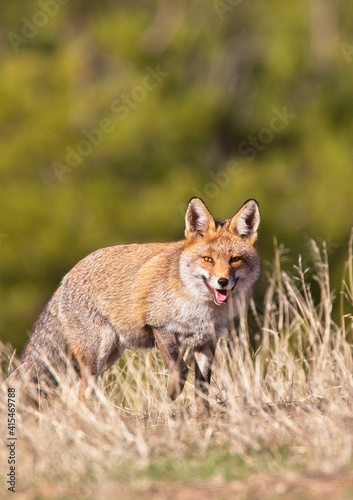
220, 256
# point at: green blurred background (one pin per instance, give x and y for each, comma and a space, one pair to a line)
113, 114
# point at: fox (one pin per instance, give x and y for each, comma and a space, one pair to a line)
168, 296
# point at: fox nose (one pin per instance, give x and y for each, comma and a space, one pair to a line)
223, 282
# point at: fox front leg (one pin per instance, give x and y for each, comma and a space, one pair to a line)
174, 359
203, 367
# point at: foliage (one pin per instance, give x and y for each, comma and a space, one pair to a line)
252, 100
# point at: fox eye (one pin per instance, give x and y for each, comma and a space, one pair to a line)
235, 259
208, 259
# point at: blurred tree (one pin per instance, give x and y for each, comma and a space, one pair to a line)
114, 114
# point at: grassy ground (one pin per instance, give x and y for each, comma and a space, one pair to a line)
281, 421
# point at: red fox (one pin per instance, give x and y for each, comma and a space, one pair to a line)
164, 295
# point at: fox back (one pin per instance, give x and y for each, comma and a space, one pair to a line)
163, 295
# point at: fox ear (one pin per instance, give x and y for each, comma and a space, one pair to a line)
246, 221
198, 220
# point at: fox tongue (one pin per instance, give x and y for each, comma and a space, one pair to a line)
221, 295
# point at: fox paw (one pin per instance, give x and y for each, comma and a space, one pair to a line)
175, 386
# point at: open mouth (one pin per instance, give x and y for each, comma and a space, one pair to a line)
220, 296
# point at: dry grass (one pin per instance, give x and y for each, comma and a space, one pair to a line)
284, 406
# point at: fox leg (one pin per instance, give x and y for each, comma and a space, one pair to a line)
203, 366
88, 378
86, 385
92, 365
94, 351
174, 359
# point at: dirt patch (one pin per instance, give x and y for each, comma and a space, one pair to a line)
255, 487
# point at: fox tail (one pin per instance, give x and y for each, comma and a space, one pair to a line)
46, 350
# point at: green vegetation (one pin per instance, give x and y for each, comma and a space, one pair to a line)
113, 114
